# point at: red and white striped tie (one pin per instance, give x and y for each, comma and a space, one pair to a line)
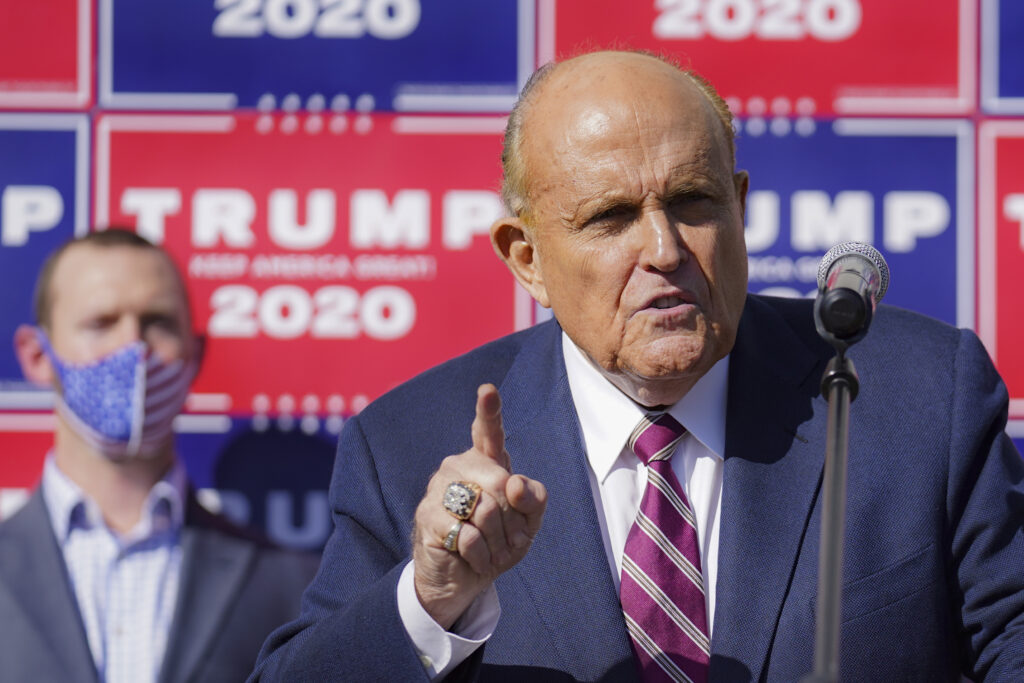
662, 590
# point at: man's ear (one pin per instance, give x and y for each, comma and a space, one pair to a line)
514, 244
35, 364
741, 181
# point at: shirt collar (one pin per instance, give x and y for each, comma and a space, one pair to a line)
607, 416
70, 508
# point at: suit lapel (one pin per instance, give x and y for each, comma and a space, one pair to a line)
33, 572
566, 572
214, 566
773, 470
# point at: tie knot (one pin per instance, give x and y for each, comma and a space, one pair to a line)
656, 437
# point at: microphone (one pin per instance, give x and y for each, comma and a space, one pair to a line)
852, 279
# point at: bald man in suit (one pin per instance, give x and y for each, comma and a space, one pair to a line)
479, 537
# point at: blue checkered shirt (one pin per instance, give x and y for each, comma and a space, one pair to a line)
126, 585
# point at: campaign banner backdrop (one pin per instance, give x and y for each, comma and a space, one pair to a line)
325, 172
783, 57
1002, 56
1001, 252
235, 465
272, 475
403, 55
46, 54
44, 181
902, 185
327, 259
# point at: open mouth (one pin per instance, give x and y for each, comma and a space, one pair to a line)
667, 302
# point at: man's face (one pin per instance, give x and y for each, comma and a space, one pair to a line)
636, 220
103, 298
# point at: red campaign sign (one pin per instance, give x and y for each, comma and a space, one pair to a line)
25, 439
792, 57
45, 54
328, 257
1001, 251
23, 449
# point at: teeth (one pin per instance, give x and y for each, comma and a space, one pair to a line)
667, 302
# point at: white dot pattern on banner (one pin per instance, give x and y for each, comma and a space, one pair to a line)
339, 124
805, 126
780, 127
316, 103
756, 127
314, 124
340, 103
267, 102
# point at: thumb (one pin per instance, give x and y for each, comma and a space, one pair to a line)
528, 497
488, 433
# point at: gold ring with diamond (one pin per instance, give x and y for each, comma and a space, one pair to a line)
451, 541
460, 499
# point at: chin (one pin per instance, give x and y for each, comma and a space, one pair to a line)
676, 357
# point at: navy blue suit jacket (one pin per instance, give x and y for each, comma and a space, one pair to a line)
934, 563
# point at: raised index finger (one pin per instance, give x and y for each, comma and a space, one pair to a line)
488, 434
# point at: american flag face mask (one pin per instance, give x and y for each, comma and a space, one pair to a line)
123, 404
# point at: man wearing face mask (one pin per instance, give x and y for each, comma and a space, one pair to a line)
112, 571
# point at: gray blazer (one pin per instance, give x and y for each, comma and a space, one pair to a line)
235, 589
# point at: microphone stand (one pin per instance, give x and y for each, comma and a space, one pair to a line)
839, 385
852, 278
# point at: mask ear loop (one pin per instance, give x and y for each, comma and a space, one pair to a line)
44, 342
55, 361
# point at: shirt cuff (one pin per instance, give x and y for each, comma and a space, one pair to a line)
441, 651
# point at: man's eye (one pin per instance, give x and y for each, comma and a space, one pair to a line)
161, 323
688, 199
692, 206
611, 214
99, 322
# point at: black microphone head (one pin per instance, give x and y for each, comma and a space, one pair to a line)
860, 249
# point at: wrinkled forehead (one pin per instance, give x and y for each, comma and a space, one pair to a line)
601, 104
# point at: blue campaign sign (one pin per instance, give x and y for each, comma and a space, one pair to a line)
43, 201
1002, 54
904, 186
402, 55
236, 464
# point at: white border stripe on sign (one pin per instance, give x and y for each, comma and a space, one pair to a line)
526, 25
988, 263
202, 424
962, 103
26, 400
546, 20
27, 422
449, 125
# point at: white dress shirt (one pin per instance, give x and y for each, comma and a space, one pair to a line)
126, 586
617, 480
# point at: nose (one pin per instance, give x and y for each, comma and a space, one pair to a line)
662, 247
129, 330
